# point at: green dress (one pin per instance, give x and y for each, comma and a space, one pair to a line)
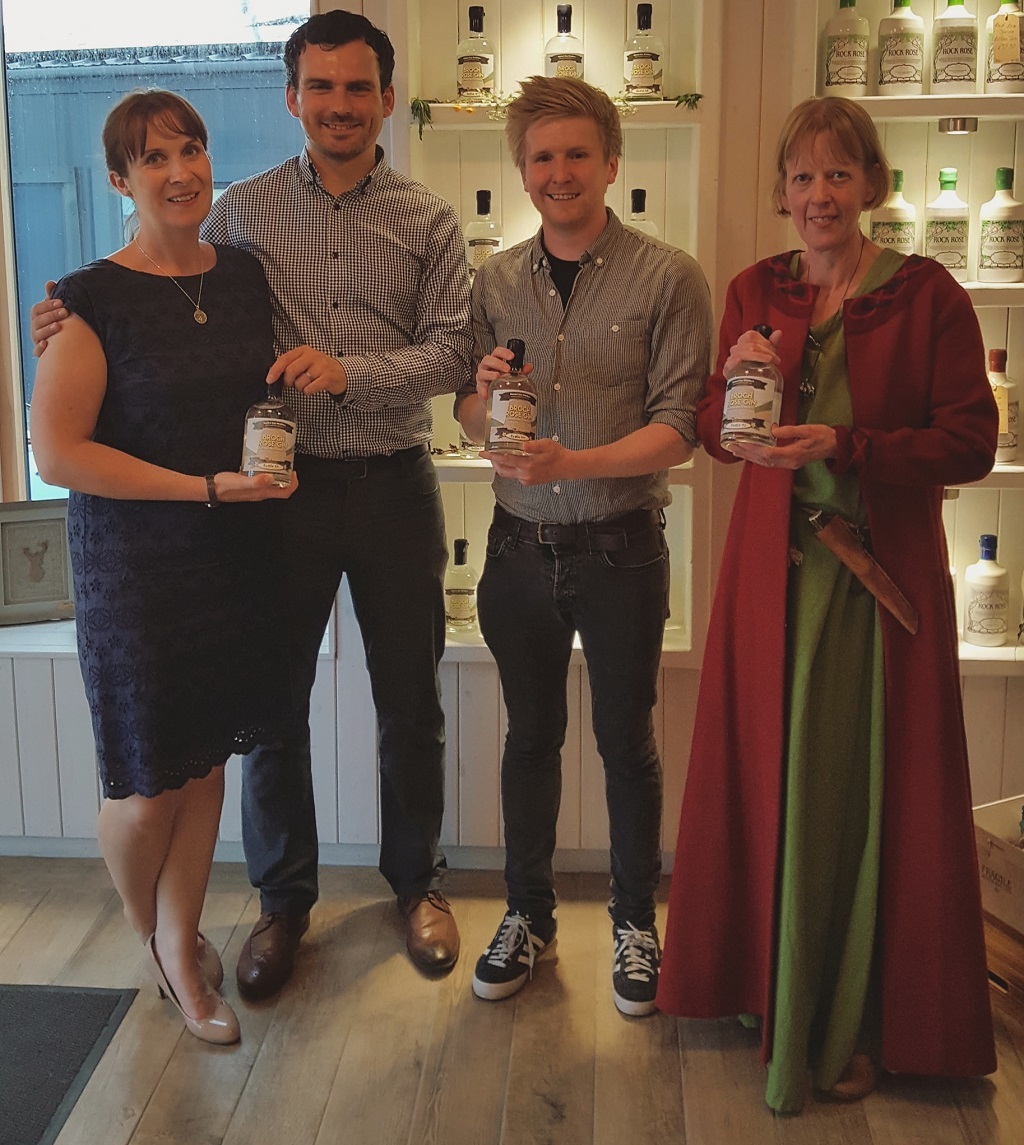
824, 1008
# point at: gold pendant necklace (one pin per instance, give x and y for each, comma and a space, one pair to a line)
199, 315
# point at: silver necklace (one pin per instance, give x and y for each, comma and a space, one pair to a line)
827, 328
199, 315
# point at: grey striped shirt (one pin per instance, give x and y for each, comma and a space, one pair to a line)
632, 347
375, 277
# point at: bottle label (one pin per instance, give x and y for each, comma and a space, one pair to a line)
956, 56
846, 61
643, 73
1005, 47
269, 445
512, 418
1002, 244
894, 233
987, 611
752, 407
563, 65
1009, 436
1002, 396
480, 250
460, 605
945, 240
902, 59
476, 75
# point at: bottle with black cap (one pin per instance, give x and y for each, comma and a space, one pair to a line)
483, 234
753, 400
638, 219
642, 59
511, 407
268, 445
460, 581
563, 53
475, 61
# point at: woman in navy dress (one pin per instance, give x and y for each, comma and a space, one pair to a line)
138, 410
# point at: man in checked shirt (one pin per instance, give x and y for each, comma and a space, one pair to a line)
367, 270
618, 329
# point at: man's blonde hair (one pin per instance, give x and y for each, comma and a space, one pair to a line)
543, 98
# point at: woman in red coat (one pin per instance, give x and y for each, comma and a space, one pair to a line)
825, 875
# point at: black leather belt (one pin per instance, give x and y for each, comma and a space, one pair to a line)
590, 536
356, 468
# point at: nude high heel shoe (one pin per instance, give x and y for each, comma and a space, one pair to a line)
209, 962
221, 1028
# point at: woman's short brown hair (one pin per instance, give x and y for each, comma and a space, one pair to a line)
543, 97
124, 130
851, 134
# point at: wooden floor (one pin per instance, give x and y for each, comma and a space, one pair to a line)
360, 1049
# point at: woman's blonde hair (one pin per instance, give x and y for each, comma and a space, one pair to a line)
851, 135
542, 98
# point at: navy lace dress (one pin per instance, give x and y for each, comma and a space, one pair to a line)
173, 600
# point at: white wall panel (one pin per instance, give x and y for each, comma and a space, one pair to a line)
37, 746
11, 818
357, 800
76, 753
985, 719
480, 742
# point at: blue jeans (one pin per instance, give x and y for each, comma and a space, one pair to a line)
532, 598
380, 523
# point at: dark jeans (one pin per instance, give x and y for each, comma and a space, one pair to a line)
381, 524
532, 598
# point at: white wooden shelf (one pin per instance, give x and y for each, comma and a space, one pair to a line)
1001, 477
928, 107
1006, 660
466, 646
480, 117
1003, 294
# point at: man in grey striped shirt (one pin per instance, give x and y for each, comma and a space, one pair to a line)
618, 330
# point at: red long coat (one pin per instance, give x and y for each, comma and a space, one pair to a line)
924, 417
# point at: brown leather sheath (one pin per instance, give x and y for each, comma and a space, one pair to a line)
837, 536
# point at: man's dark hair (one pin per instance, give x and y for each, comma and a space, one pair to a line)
331, 30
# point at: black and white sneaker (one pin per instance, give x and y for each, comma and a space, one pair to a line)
635, 969
507, 964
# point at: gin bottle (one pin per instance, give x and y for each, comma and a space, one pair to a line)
1001, 253
1004, 49
475, 62
846, 52
1008, 403
638, 219
460, 581
563, 53
511, 415
483, 235
946, 225
753, 401
901, 51
268, 445
955, 51
986, 598
894, 223
642, 63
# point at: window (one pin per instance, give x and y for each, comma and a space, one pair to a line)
66, 68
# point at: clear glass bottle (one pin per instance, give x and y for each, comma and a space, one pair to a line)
1004, 49
460, 581
638, 219
268, 444
474, 62
483, 234
563, 53
955, 51
946, 227
986, 598
1004, 390
753, 401
901, 51
511, 407
846, 52
894, 223
1001, 253
643, 59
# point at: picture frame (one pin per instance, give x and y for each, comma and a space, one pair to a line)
35, 563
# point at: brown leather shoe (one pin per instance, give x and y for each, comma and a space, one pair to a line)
858, 1079
268, 955
431, 936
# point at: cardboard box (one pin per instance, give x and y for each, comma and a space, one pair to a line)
1001, 862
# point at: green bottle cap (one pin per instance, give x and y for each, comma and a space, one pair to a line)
847, 3
897, 179
947, 178
1004, 178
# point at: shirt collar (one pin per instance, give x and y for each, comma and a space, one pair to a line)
310, 175
597, 252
